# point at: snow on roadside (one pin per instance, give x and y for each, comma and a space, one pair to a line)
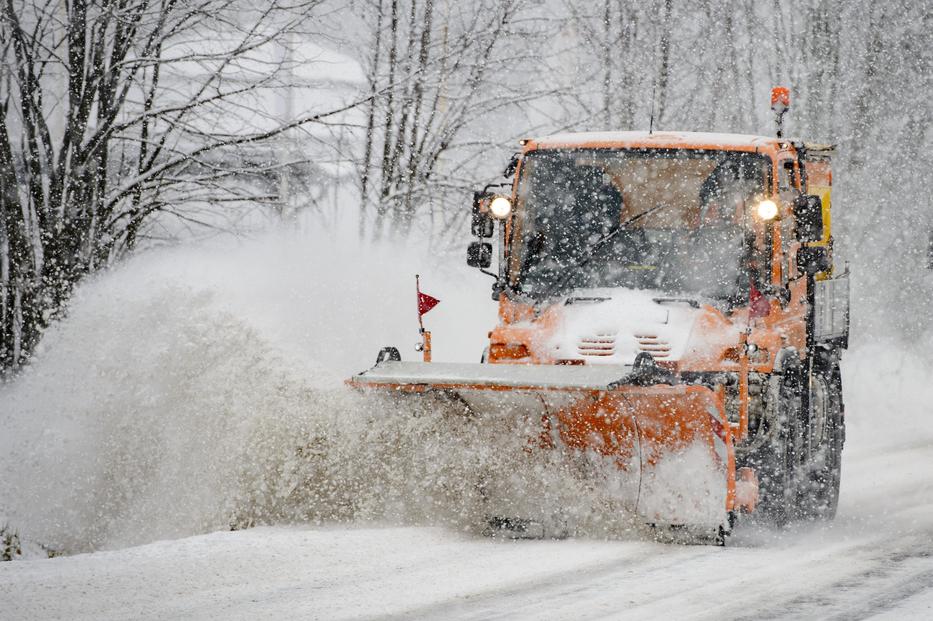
888, 393
14, 548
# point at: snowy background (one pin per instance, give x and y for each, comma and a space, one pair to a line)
195, 383
176, 398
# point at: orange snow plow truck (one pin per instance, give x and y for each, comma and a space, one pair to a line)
669, 301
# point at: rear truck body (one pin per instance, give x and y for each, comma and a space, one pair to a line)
667, 300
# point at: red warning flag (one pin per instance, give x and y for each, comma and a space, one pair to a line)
758, 305
425, 301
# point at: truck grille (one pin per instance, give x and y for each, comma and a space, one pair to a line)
599, 345
655, 346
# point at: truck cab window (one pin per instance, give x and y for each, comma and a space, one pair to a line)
693, 241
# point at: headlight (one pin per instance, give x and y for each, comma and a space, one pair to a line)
767, 210
500, 207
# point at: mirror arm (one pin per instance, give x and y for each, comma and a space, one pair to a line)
513, 164
495, 185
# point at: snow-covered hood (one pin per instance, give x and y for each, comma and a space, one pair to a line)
612, 326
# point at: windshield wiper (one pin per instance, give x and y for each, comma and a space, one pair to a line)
596, 247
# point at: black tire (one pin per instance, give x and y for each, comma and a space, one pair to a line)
818, 491
777, 461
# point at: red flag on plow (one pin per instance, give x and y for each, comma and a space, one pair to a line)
425, 301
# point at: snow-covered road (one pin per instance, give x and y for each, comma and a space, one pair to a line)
843, 572
875, 559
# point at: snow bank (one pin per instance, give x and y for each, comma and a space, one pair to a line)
888, 394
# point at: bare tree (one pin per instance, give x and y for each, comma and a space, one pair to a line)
441, 67
664, 59
118, 114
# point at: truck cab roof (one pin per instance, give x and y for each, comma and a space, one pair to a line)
655, 140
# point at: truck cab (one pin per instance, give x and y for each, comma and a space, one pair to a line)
669, 304
697, 259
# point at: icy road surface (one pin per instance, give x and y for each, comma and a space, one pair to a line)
875, 560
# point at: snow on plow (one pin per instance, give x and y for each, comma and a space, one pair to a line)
669, 440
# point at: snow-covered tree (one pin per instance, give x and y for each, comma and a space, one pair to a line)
126, 119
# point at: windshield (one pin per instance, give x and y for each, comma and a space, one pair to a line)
693, 239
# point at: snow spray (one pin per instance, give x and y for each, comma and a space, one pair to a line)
197, 389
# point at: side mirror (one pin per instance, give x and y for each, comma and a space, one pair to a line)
813, 259
513, 164
481, 225
479, 254
808, 212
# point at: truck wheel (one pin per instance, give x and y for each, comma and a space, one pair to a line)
777, 460
818, 493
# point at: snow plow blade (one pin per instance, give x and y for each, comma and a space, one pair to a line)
671, 440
